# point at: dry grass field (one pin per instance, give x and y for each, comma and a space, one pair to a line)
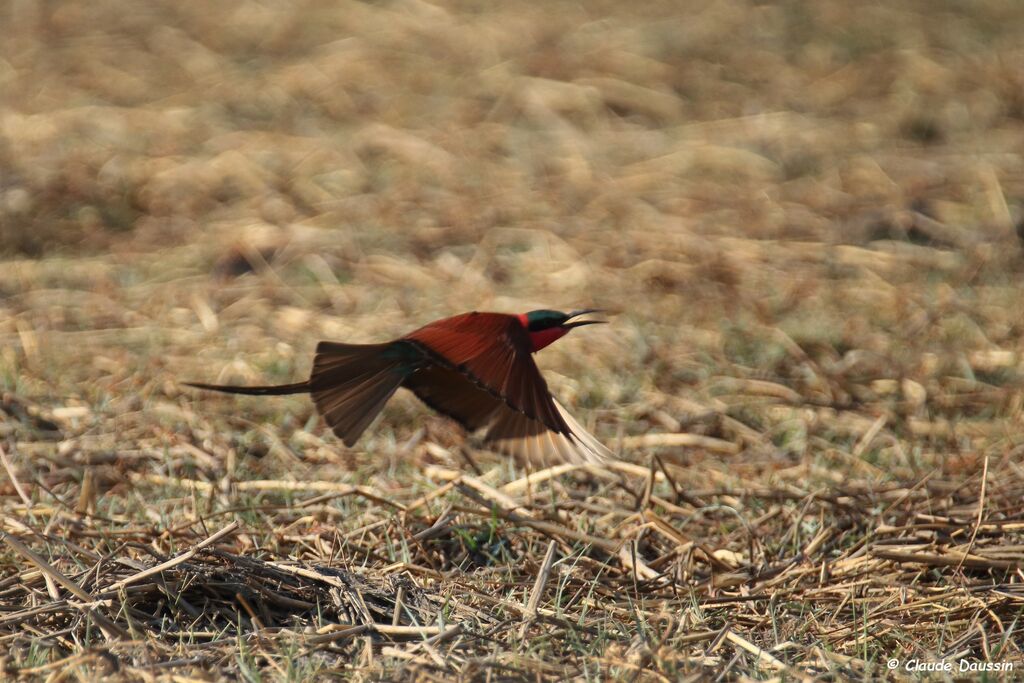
802, 218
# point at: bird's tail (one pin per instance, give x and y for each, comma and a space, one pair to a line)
350, 383
276, 390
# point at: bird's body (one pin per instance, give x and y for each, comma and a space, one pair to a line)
476, 368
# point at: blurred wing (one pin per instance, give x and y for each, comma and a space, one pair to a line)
510, 431
515, 434
493, 351
451, 393
483, 375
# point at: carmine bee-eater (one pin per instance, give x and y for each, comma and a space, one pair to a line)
476, 368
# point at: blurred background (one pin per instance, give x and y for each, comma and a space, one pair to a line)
803, 219
780, 203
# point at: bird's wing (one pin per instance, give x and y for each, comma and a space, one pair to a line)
517, 435
450, 392
493, 350
483, 374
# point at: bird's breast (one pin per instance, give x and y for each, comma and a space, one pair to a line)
545, 337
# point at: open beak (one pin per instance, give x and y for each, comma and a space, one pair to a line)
581, 323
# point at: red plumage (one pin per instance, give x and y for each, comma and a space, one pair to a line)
494, 350
476, 368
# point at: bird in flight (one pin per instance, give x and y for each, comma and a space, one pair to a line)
476, 368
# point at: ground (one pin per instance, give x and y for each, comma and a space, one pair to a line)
802, 219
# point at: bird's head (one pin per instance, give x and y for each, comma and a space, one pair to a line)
545, 327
